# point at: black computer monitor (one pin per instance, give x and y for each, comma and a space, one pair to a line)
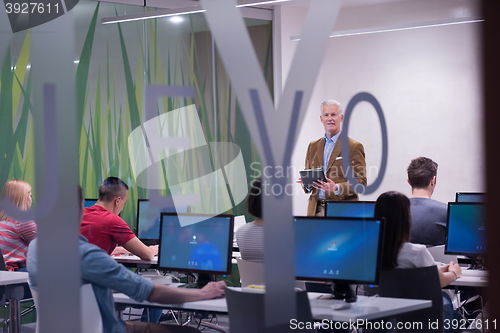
204, 247
470, 197
350, 209
466, 229
89, 202
342, 250
148, 220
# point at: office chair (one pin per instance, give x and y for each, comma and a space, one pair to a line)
246, 311
250, 272
253, 273
415, 283
438, 255
90, 314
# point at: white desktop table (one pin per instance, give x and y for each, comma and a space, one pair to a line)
11, 280
135, 260
368, 308
214, 305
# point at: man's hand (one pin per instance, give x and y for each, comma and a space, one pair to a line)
328, 186
213, 290
119, 250
169, 295
154, 248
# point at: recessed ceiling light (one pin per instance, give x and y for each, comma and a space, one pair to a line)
176, 19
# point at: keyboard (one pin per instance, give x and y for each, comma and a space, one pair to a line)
474, 272
325, 302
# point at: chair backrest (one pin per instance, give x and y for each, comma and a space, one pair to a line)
3, 267
90, 314
437, 253
250, 272
2, 288
253, 273
416, 283
246, 311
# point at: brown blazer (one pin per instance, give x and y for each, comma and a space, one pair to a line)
335, 171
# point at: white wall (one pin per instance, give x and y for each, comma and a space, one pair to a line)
426, 80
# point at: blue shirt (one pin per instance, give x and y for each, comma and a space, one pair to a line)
104, 273
327, 152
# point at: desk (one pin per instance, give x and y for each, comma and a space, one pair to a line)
369, 308
214, 305
135, 261
11, 280
365, 308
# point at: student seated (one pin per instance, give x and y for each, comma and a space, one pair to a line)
397, 250
105, 275
250, 237
102, 226
15, 235
428, 216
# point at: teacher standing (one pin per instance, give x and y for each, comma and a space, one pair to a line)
326, 153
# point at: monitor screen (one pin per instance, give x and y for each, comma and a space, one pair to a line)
345, 250
203, 247
466, 229
350, 209
148, 219
89, 202
470, 197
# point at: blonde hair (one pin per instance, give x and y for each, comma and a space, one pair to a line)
16, 190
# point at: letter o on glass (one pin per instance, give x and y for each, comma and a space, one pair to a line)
346, 158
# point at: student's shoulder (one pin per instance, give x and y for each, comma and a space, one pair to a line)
249, 227
117, 220
439, 204
413, 247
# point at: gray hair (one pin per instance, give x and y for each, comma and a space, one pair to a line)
331, 102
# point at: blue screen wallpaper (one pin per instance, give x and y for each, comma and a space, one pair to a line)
200, 246
148, 222
350, 209
89, 202
466, 229
336, 249
471, 197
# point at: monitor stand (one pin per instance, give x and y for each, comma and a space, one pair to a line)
198, 283
476, 263
203, 280
343, 291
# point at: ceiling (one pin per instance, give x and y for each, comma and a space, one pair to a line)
348, 3
177, 4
